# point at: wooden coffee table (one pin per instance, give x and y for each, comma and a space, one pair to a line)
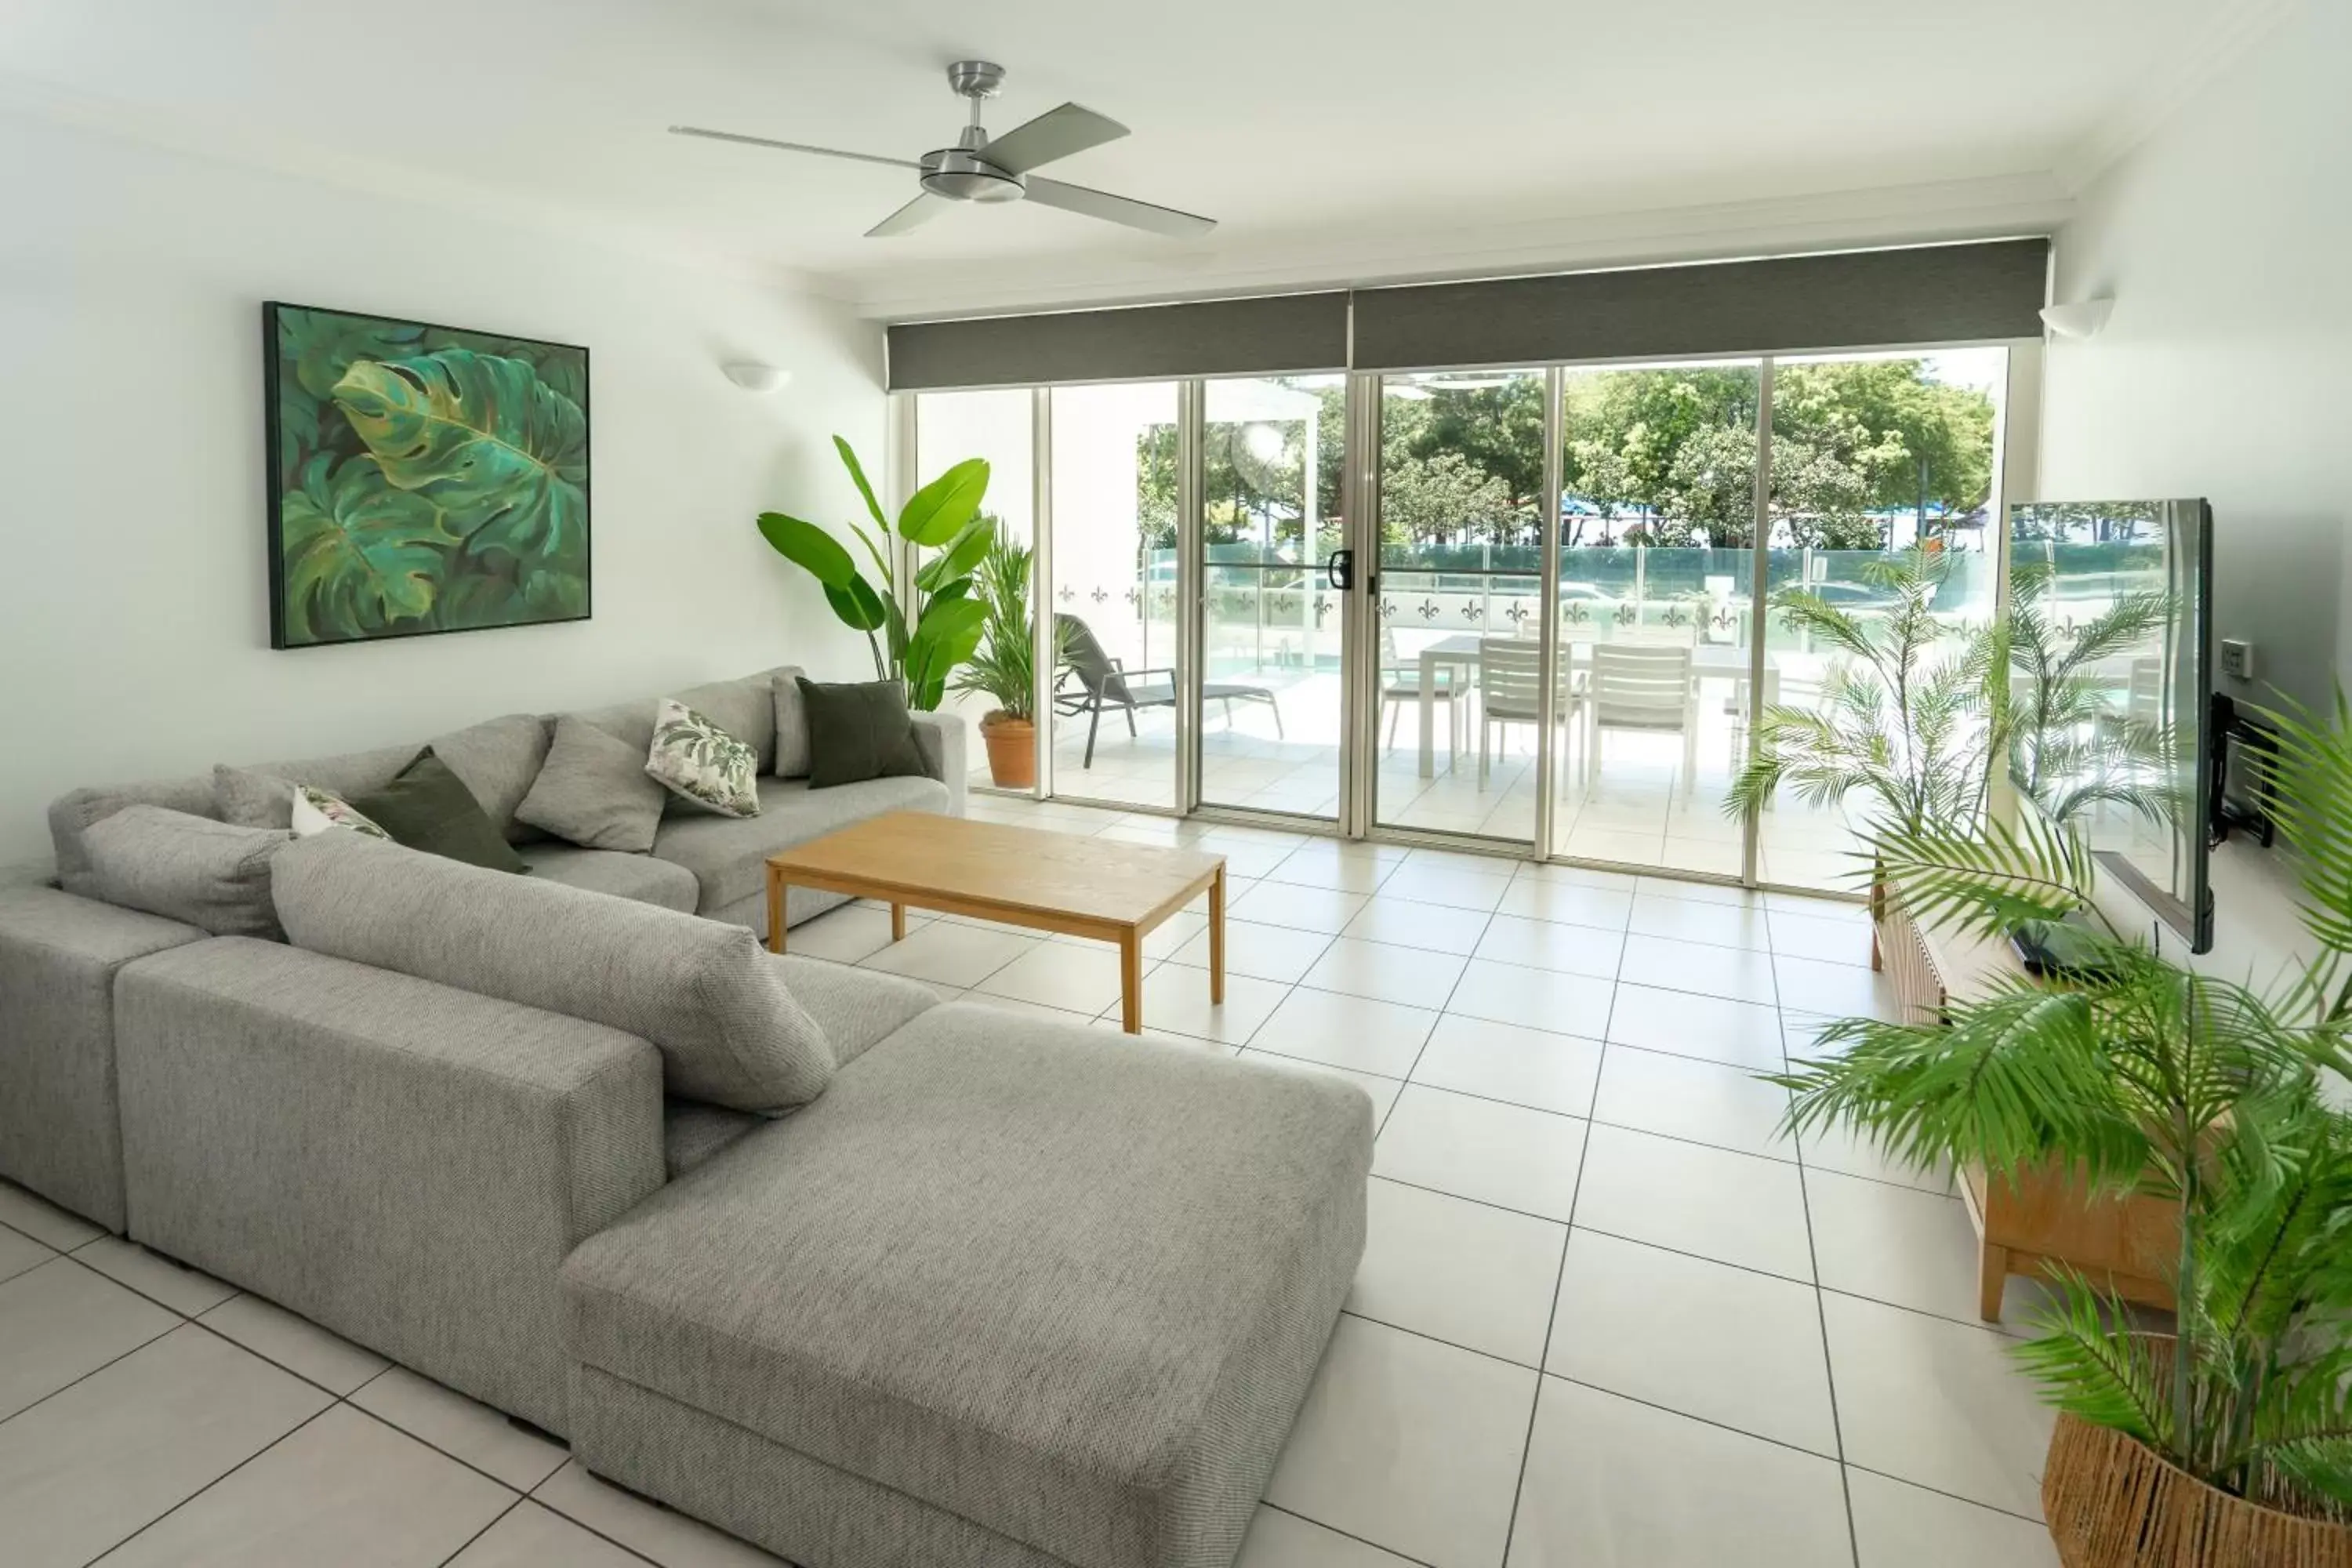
1102, 888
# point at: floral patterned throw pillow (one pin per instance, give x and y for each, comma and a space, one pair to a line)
694, 758
316, 810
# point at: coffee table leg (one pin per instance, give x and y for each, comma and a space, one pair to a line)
897, 922
775, 913
1131, 983
1217, 937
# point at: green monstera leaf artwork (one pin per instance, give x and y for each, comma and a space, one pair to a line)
424, 478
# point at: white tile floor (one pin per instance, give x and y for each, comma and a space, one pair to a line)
1605, 1315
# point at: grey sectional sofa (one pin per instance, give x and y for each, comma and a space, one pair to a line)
995, 1291
60, 948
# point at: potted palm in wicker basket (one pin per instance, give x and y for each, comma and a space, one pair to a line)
2225, 1437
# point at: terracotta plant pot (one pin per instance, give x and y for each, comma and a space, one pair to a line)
1012, 750
2112, 1502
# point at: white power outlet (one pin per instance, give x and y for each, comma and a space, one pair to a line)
2237, 659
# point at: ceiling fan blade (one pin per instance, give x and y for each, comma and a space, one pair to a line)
1090, 203
791, 146
1057, 133
914, 215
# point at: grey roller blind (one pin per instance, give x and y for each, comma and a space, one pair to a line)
1216, 337
1945, 293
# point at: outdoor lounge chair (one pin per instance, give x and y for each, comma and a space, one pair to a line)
1102, 682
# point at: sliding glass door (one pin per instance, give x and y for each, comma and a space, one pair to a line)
1200, 541
1459, 608
1271, 697
1656, 562
1112, 591
1872, 455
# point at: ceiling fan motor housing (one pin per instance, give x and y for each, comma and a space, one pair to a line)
959, 173
962, 174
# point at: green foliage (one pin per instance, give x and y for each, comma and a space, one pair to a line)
1004, 668
428, 479
2141, 1077
360, 555
1903, 714
2069, 745
928, 627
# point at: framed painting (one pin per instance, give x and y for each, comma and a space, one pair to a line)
422, 479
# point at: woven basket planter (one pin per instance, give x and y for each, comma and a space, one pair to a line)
2112, 1502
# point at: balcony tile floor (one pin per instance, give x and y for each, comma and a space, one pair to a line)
1606, 1313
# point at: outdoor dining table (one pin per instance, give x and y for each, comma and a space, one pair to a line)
1721, 661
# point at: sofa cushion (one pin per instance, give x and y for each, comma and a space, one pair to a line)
858, 731
696, 760
594, 791
728, 855
745, 709
856, 1008
707, 994
72, 814
263, 795
693, 1132
208, 874
428, 807
636, 876
497, 759
1070, 1289
792, 758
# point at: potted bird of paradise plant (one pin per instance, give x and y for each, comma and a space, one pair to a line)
919, 629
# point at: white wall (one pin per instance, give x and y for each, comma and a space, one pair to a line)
136, 633
2225, 240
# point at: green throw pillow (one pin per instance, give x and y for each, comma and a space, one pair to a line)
428, 807
858, 731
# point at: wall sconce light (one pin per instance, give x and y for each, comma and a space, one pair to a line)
2081, 319
752, 376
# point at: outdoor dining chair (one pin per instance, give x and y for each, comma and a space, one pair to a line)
1642, 687
1510, 691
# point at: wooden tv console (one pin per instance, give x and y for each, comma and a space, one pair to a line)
2127, 1243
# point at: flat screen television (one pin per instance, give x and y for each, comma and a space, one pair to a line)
2111, 617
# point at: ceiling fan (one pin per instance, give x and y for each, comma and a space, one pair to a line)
979, 169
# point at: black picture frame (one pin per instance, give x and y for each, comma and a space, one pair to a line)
308, 461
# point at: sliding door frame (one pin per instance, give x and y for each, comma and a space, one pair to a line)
2016, 450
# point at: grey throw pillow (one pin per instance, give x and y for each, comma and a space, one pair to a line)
212, 875
708, 997
792, 727
594, 791
858, 731
496, 760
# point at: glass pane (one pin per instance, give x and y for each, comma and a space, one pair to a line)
1871, 455
1657, 560
1114, 592
950, 427
1461, 541
1271, 697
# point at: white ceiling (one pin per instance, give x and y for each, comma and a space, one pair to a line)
1342, 141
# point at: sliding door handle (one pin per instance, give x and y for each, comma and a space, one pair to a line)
1339, 571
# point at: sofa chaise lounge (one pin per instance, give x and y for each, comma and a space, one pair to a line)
949, 1287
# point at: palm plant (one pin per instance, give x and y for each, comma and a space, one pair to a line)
1907, 714
929, 624
1004, 668
2069, 746
2139, 1076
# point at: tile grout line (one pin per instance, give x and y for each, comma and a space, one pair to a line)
1828, 1363
1560, 1278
